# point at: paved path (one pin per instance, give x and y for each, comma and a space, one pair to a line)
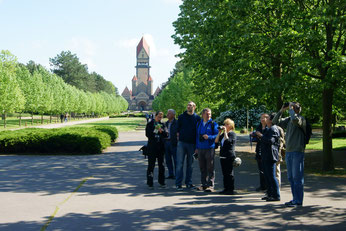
74, 122
108, 192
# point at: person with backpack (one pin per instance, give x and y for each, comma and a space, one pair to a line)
205, 148
295, 126
270, 144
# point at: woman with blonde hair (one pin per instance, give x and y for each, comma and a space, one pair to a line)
227, 139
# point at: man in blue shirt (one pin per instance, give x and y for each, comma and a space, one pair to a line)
186, 131
205, 140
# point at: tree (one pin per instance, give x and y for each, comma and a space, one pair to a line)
265, 52
11, 96
67, 66
320, 27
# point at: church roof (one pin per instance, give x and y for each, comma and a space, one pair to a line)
142, 44
157, 91
134, 78
149, 78
126, 91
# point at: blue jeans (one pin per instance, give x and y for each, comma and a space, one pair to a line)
269, 169
184, 149
170, 153
295, 173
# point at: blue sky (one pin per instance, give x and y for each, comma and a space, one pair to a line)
103, 33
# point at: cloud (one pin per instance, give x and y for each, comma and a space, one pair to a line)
85, 50
126, 43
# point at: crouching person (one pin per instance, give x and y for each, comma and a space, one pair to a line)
156, 133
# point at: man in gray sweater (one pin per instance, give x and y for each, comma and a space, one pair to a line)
295, 126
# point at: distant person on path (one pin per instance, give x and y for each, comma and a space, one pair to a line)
261, 128
62, 116
187, 123
270, 143
227, 139
155, 131
171, 143
205, 148
66, 117
295, 126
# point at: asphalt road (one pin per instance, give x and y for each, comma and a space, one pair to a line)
108, 192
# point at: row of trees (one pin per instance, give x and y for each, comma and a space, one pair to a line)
249, 53
42, 92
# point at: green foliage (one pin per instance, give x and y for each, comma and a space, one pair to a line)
83, 140
67, 66
11, 96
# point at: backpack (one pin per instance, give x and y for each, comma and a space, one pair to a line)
307, 132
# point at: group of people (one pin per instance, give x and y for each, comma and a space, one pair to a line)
191, 136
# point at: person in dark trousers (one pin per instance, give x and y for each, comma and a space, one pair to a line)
261, 128
155, 132
187, 123
205, 148
171, 143
227, 139
270, 144
295, 126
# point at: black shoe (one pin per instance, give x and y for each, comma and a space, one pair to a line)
292, 204
151, 187
227, 192
273, 199
265, 198
162, 186
179, 188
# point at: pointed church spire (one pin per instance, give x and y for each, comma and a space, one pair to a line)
143, 44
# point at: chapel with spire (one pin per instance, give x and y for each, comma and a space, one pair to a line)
141, 96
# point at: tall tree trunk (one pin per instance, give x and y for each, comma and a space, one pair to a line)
41, 119
277, 74
20, 119
327, 102
5, 119
32, 118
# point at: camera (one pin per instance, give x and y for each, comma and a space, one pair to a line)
195, 156
286, 104
221, 127
201, 138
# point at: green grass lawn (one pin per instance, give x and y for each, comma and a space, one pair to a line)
13, 122
122, 124
316, 144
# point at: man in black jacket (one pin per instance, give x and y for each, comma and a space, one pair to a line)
171, 143
155, 131
187, 123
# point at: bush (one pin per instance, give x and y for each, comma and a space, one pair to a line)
239, 116
82, 140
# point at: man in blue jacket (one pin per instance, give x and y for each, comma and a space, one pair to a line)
186, 131
205, 140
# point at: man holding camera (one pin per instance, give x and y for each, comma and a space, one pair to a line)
186, 132
295, 126
207, 131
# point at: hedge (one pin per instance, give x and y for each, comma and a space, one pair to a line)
73, 140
